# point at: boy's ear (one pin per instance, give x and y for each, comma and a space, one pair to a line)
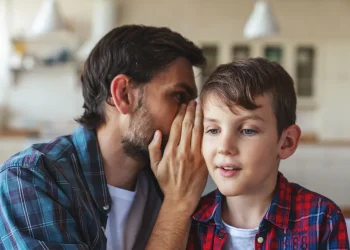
122, 94
289, 141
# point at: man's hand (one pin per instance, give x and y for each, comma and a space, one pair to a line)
181, 172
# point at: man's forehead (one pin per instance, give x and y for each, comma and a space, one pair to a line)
177, 75
168, 84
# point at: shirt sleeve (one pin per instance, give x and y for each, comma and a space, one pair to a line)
34, 212
191, 241
335, 235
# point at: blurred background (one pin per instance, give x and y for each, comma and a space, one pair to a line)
45, 42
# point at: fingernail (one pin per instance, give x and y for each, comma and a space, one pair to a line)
156, 135
193, 103
183, 106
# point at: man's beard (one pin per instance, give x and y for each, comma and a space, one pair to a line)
140, 134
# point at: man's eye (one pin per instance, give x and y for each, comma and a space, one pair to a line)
248, 131
181, 97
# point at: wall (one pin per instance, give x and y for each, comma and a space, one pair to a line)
45, 96
322, 23
4, 51
334, 90
206, 20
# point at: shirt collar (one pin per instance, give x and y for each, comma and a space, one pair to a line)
209, 208
90, 159
279, 210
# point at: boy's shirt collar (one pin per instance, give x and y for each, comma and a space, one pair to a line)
278, 212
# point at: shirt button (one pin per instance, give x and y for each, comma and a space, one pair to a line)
106, 207
260, 240
221, 234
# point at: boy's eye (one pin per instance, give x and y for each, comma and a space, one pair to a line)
249, 131
213, 131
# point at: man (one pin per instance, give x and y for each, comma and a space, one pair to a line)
94, 189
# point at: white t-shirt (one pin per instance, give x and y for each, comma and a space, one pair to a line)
125, 217
240, 239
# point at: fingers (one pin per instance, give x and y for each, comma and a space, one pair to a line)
175, 131
155, 152
197, 132
187, 126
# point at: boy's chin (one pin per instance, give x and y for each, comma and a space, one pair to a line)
230, 191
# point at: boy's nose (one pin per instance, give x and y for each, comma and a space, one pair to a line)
228, 146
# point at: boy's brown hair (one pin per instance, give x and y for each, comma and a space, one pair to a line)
239, 82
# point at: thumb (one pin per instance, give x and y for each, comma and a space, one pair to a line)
155, 152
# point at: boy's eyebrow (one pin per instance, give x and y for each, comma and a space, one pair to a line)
252, 117
248, 117
210, 120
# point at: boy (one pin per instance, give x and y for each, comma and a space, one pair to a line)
249, 111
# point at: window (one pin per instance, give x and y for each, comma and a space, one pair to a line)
273, 53
305, 71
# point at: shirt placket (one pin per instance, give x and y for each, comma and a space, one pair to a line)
260, 240
219, 239
260, 237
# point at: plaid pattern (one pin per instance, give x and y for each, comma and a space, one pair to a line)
296, 219
54, 196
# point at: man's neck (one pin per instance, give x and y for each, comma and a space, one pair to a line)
120, 170
246, 211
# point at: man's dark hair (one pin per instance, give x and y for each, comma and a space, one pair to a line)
137, 51
239, 82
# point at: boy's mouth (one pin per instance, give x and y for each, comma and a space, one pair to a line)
228, 170
229, 167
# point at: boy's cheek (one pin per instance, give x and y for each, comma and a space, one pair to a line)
207, 147
208, 153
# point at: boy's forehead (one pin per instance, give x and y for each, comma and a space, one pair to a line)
213, 102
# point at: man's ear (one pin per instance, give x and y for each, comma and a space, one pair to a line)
121, 91
289, 141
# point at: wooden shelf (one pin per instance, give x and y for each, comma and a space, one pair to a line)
312, 139
19, 133
346, 212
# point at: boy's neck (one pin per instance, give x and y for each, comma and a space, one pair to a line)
247, 211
